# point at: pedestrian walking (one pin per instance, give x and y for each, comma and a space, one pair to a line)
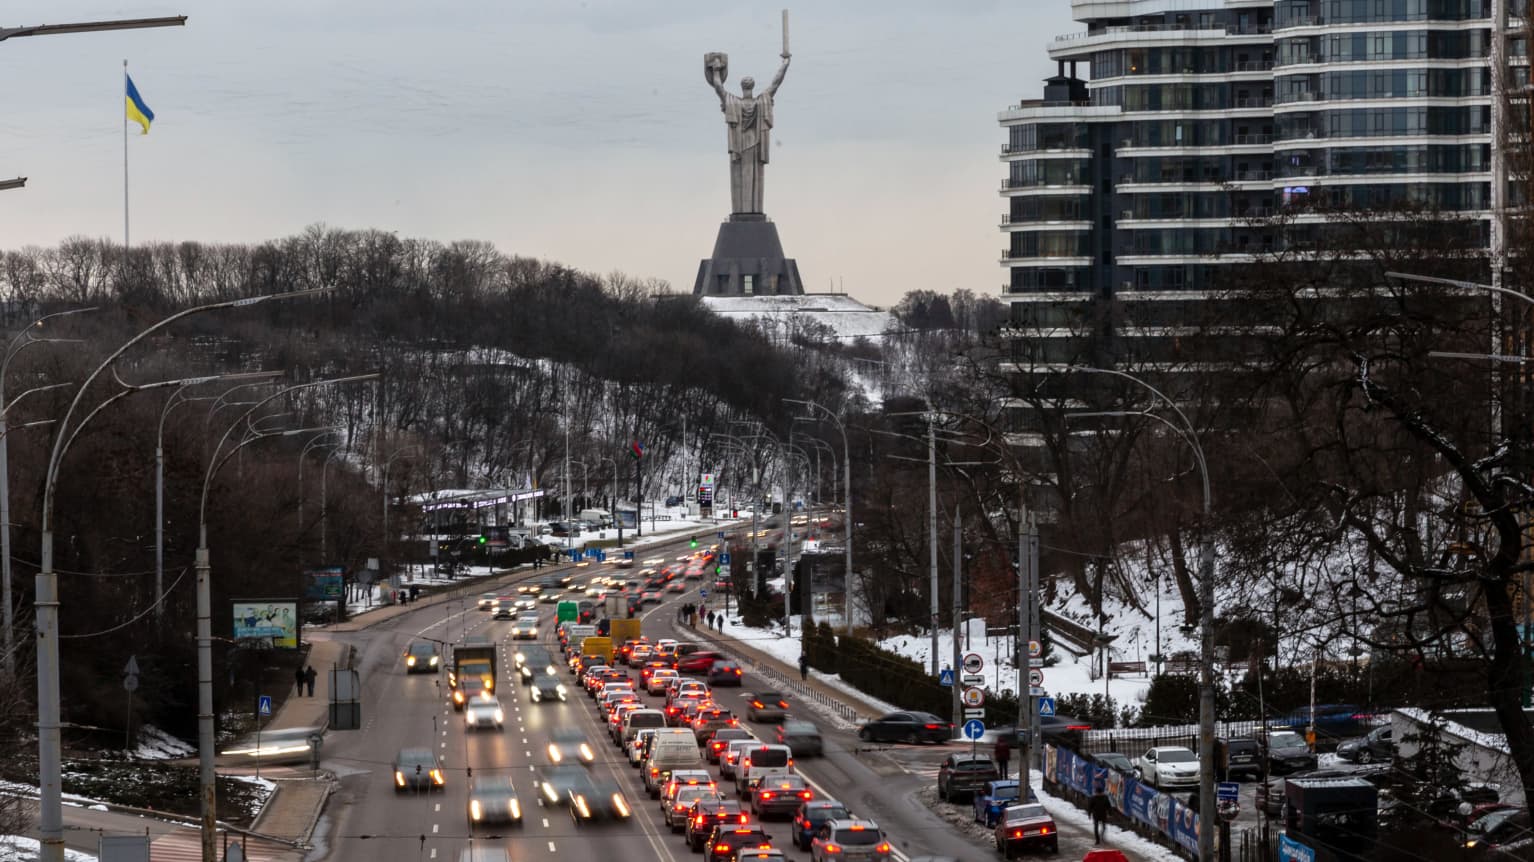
1003, 756
309, 677
298, 677
804, 666
710, 619
1097, 806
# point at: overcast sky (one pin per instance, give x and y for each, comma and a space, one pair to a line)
581, 132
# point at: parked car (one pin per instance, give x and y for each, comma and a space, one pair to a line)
990, 801
811, 816
962, 775
909, 727
1024, 827
1377, 744
1115, 761
1497, 830
1333, 721
1168, 766
1287, 752
801, 737
417, 769
1234, 756
767, 706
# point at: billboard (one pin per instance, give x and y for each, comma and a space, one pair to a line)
324, 584
273, 621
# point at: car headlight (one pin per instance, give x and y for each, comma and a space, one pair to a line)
586, 753
500, 716
554, 754
474, 810
580, 803
548, 793
409, 661
619, 805
399, 778
561, 689
436, 775
472, 718
433, 661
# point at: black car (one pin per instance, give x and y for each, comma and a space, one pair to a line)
1115, 761
1236, 756
726, 841
1287, 752
494, 800
556, 782
592, 799
722, 673
417, 769
909, 727
1377, 745
960, 775
801, 737
709, 813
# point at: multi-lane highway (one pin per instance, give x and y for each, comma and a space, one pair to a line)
368, 820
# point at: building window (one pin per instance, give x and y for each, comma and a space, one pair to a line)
748, 284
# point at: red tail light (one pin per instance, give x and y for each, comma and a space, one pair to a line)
697, 821
1044, 831
934, 726
721, 848
1078, 727
766, 794
783, 703
743, 818
832, 848
806, 794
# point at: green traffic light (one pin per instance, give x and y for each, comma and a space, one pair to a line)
483, 540
694, 543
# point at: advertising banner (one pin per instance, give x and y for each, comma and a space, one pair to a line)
273, 622
1290, 850
324, 584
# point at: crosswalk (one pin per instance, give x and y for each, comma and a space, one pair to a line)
185, 845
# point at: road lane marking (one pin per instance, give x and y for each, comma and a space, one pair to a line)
437, 807
545, 823
551, 846
433, 853
434, 829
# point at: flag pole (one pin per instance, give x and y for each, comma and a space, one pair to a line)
125, 163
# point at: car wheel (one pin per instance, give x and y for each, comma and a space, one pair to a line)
864, 735
912, 739
1365, 756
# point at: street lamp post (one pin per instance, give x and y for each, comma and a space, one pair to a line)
613, 498
318, 441
1206, 717
49, 750
206, 777
325, 503
403, 452
22, 340
846, 501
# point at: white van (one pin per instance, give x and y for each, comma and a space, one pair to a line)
640, 718
600, 517
760, 760
671, 749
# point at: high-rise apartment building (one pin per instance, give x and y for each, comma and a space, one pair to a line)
1129, 187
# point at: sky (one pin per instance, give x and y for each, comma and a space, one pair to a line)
578, 132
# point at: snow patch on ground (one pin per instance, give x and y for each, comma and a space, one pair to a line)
1131, 843
156, 744
19, 848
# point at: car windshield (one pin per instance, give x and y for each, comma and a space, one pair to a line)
797, 728
1286, 740
1012, 792
769, 697
857, 837
1175, 755
829, 812
422, 649
1026, 812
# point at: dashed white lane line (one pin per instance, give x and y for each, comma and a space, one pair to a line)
434, 829
551, 847
545, 823
433, 853
437, 806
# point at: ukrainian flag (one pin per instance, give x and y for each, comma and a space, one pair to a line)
138, 112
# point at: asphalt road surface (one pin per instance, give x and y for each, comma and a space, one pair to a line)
368, 820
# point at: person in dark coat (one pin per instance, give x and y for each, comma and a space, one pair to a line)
1097, 806
804, 666
1003, 755
309, 676
298, 677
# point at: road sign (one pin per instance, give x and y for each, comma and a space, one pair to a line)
972, 678
1035, 649
1035, 691
724, 559
264, 705
973, 662
1035, 677
974, 713
628, 555
974, 729
721, 534
1035, 662
972, 697
703, 593
945, 676
1046, 706
130, 674
1228, 791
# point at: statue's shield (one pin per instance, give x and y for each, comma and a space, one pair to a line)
716, 67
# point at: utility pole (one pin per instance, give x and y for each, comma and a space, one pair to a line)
1036, 747
932, 526
1020, 657
958, 594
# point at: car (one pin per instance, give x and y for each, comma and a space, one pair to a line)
913, 728
524, 629
569, 744
1377, 744
634, 749
549, 598
760, 854
697, 662
767, 705
591, 799
680, 778
487, 601
480, 713
1497, 829
676, 587
493, 799
725, 842
468, 689
722, 673
801, 737
811, 815
1023, 827
780, 795
1168, 766
850, 839
1117, 762
556, 782
679, 809
422, 657
994, 798
546, 689
709, 720
676, 711
1287, 752
640, 655
526, 603
659, 679
721, 740
288, 745
1236, 756
1331, 720
729, 758
503, 609
961, 775
707, 814
417, 769
650, 597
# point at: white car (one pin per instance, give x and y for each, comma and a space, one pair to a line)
658, 680
634, 748
480, 713
525, 629
1168, 766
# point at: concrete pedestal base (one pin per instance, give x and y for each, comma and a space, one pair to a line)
748, 261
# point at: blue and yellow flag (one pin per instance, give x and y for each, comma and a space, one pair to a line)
138, 112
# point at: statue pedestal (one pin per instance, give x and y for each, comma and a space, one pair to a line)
748, 261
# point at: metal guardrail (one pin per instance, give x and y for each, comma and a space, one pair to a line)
845, 712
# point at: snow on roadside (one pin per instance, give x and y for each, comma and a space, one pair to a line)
1130, 842
20, 848
786, 650
156, 744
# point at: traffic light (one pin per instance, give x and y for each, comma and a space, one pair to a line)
693, 543
482, 539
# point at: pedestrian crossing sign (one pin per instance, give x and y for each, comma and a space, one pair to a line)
1046, 706
264, 705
